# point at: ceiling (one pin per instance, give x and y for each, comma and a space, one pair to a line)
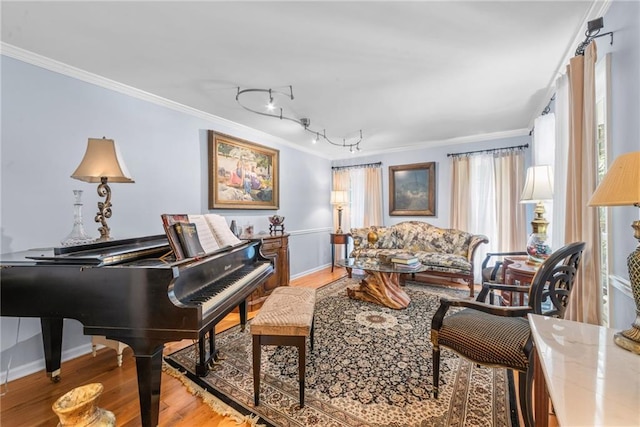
408, 74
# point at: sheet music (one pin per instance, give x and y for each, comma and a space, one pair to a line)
205, 235
221, 230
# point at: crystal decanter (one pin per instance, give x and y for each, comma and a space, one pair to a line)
77, 235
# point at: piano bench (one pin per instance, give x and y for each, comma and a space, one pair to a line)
286, 318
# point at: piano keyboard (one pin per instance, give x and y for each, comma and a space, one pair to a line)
210, 297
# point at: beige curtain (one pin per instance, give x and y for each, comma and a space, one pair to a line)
460, 194
373, 196
510, 213
581, 222
505, 188
485, 199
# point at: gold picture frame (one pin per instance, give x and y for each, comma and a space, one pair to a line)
242, 174
412, 189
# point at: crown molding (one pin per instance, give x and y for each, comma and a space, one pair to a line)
443, 142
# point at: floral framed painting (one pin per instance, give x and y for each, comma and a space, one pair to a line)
412, 189
242, 174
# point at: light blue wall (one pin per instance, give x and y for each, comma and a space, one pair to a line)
46, 120
623, 18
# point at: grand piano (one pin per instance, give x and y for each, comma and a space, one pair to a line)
129, 291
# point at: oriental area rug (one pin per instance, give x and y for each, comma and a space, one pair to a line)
371, 366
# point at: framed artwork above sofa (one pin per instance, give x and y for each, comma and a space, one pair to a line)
412, 189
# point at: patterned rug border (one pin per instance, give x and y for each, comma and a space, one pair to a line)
228, 405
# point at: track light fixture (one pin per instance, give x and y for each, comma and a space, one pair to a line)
305, 122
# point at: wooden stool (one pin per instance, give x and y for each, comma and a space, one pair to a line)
286, 318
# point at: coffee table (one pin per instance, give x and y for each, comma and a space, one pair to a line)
381, 284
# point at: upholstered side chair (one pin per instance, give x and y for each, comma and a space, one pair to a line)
500, 336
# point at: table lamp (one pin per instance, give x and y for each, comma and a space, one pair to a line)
621, 187
538, 187
102, 163
339, 198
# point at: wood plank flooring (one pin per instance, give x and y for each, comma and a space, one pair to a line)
27, 401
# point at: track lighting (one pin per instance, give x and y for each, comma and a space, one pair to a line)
305, 122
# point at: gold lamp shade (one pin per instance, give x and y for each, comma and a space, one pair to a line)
102, 163
339, 197
621, 187
102, 159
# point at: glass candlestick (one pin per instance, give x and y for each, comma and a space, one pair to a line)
77, 235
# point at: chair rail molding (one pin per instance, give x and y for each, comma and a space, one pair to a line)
622, 284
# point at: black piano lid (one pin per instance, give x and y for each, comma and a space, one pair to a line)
96, 254
141, 251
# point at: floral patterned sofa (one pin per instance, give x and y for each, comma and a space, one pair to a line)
446, 252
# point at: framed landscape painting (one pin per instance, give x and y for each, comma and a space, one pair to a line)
242, 175
412, 189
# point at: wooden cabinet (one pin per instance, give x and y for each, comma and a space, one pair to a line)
272, 245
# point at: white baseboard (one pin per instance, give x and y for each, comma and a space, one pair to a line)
39, 366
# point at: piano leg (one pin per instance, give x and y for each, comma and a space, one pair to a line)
149, 368
202, 365
52, 342
243, 314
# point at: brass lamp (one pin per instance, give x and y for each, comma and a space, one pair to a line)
339, 198
102, 163
538, 187
621, 187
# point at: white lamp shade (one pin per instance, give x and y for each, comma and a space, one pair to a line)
102, 159
621, 184
339, 197
539, 184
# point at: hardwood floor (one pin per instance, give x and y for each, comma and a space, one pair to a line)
27, 401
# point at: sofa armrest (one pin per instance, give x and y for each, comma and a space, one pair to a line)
476, 240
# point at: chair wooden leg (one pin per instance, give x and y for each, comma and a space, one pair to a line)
311, 333
302, 362
436, 370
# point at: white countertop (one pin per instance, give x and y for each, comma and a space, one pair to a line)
591, 381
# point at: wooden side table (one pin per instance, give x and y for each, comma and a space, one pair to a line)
339, 239
517, 272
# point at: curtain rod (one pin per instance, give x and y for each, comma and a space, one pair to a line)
546, 111
490, 150
363, 165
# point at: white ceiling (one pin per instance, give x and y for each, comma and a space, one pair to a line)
407, 74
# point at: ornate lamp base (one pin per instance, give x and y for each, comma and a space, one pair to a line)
630, 338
